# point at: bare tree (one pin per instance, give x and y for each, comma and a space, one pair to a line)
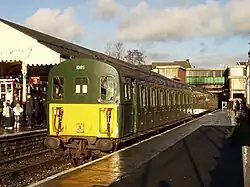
109, 49
119, 50
135, 57
116, 50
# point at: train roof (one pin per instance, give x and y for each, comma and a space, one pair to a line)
129, 70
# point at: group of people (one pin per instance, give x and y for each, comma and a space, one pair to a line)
238, 106
15, 114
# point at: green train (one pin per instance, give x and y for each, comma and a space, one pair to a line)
94, 105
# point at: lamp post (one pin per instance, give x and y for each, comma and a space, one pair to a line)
24, 73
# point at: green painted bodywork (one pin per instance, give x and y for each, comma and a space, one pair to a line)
93, 71
132, 118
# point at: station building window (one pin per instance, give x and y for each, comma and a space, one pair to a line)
81, 85
58, 87
107, 87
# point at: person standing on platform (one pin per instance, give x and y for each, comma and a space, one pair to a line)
29, 110
1, 111
42, 111
17, 113
36, 111
14, 102
8, 115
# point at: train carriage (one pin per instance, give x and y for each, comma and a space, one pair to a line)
93, 105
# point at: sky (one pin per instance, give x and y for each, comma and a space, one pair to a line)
210, 33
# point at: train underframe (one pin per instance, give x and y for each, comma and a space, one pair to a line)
82, 149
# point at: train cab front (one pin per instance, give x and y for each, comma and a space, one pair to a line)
83, 107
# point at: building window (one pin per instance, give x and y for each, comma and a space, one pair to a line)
237, 84
107, 86
162, 71
58, 87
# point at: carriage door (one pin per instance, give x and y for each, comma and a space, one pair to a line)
141, 107
6, 89
128, 113
134, 98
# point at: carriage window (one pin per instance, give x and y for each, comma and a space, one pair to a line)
174, 99
187, 101
156, 96
161, 98
127, 92
147, 96
107, 88
170, 98
164, 97
167, 98
143, 96
81, 85
153, 97
150, 96
58, 87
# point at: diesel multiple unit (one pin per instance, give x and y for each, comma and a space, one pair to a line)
94, 104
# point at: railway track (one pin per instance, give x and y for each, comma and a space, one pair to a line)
20, 166
31, 168
10, 160
24, 168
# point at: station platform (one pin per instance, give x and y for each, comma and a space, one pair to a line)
195, 154
5, 133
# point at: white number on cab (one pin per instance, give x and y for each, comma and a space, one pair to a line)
80, 67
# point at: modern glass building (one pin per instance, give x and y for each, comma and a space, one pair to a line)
201, 76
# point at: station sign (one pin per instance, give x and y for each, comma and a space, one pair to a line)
35, 80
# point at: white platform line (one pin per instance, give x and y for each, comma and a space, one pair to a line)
244, 162
114, 153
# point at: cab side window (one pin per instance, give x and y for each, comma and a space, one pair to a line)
81, 85
58, 87
107, 87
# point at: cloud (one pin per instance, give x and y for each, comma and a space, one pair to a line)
56, 22
157, 56
203, 47
108, 9
211, 18
218, 60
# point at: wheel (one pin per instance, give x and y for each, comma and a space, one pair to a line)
77, 161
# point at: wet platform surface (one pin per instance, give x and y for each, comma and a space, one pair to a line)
242, 137
5, 133
197, 154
